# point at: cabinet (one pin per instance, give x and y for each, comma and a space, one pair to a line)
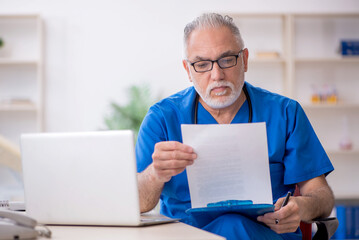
297, 54
21, 75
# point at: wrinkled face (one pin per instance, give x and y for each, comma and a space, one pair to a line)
218, 88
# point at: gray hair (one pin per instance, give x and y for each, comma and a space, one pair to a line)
211, 20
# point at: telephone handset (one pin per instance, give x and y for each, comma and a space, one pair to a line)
15, 225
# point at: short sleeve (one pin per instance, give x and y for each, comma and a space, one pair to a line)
151, 132
305, 157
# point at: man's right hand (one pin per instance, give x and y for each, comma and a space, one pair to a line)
171, 158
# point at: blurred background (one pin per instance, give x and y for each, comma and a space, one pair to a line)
87, 65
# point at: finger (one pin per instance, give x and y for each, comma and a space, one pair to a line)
171, 164
173, 145
174, 155
270, 218
267, 219
285, 211
289, 224
284, 221
284, 225
278, 204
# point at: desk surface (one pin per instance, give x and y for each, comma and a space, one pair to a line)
169, 231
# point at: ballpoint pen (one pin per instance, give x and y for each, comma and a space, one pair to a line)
285, 202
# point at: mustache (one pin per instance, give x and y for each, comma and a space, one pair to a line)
219, 84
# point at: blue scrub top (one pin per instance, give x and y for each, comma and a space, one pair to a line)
295, 153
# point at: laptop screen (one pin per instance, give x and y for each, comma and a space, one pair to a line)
86, 178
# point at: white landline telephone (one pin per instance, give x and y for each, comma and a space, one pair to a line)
15, 225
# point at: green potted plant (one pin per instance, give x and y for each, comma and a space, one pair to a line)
130, 116
2, 44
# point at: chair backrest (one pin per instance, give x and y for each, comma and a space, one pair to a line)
306, 228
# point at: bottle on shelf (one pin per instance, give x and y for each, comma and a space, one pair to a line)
332, 96
325, 94
345, 142
315, 94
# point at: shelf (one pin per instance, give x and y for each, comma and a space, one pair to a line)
297, 15
343, 152
18, 16
7, 61
328, 15
254, 15
346, 198
17, 107
347, 59
266, 60
307, 45
333, 106
21, 75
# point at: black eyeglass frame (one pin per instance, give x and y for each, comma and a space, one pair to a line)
217, 61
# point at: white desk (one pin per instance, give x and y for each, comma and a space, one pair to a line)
170, 231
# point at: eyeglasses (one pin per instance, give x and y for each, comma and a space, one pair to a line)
223, 63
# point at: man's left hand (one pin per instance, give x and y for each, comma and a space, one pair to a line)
285, 219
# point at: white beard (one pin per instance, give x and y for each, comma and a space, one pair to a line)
216, 103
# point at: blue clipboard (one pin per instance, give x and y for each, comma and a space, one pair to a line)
201, 216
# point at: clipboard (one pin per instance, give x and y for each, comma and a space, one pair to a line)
201, 216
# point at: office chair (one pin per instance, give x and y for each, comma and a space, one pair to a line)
326, 226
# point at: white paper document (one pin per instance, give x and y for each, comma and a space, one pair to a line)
232, 163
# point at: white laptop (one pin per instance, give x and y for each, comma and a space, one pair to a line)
86, 178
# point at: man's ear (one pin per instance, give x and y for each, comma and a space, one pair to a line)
245, 59
186, 67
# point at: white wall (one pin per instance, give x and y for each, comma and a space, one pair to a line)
95, 49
